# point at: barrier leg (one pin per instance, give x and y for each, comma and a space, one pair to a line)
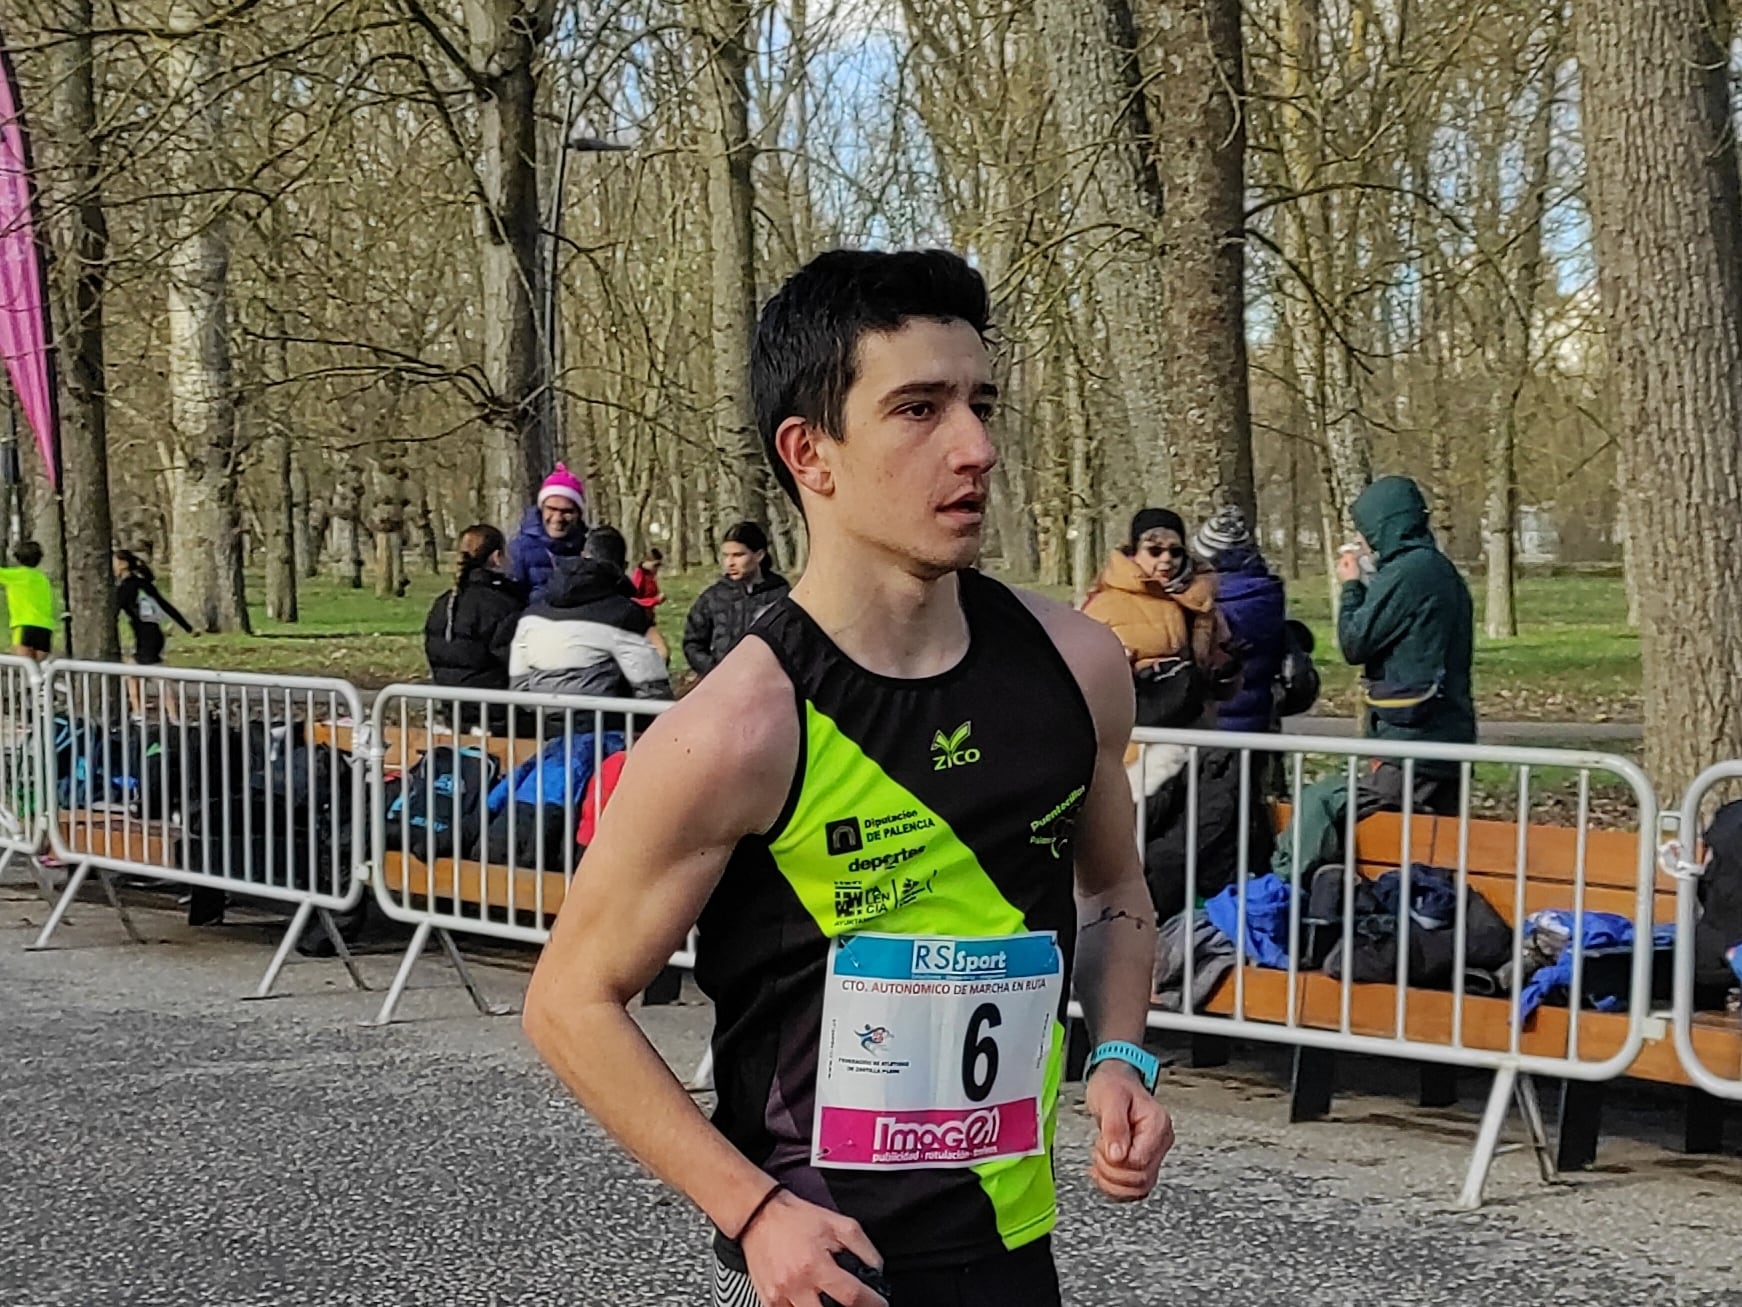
459, 963
1581, 1123
44, 882
702, 1078
1211, 1051
341, 949
1315, 1079
6, 862
667, 988
108, 884
67, 896
413, 950
1439, 1085
297, 923
1530, 1109
1488, 1138
1703, 1122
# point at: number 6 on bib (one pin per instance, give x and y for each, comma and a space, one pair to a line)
934, 1050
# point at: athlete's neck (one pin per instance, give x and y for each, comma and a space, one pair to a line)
882, 617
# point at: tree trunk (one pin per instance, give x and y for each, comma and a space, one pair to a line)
1666, 205
1116, 197
731, 211
348, 527
1499, 514
208, 559
280, 528
1201, 133
504, 41
81, 270
305, 532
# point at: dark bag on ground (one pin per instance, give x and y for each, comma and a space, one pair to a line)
1433, 939
518, 844
1719, 928
1297, 680
439, 811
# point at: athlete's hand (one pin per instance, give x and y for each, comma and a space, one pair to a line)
1349, 565
1136, 1132
790, 1250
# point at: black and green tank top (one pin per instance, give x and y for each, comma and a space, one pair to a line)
938, 806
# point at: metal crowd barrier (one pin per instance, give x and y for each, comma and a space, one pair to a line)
446, 858
1312, 1000
213, 780
241, 784
23, 796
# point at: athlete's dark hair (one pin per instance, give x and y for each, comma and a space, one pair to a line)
605, 544
807, 344
28, 553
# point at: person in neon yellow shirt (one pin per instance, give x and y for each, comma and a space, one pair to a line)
29, 602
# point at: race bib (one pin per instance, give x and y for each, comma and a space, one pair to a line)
934, 1050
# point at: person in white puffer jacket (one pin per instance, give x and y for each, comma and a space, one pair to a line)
589, 636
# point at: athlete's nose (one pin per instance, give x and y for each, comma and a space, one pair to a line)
971, 447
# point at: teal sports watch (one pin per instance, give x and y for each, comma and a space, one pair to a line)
1141, 1060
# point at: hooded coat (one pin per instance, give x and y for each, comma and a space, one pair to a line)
588, 637
1411, 626
533, 555
1255, 607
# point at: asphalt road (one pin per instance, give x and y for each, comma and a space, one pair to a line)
168, 1145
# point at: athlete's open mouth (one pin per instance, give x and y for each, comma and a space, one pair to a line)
966, 506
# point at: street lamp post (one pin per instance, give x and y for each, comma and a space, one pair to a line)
552, 319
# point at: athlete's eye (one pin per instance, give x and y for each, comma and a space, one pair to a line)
920, 408
985, 412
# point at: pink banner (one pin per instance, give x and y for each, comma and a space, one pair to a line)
23, 325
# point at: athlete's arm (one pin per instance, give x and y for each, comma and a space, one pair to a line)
715, 768
1115, 917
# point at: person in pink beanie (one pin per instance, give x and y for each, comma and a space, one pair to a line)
553, 529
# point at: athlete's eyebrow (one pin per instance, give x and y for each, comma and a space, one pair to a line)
937, 390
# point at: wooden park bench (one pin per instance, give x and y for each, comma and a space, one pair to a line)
1550, 860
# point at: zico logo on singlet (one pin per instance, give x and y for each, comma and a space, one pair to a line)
952, 750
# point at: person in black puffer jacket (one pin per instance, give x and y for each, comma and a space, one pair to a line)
729, 607
470, 628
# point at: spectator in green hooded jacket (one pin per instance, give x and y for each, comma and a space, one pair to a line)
1409, 625
1405, 616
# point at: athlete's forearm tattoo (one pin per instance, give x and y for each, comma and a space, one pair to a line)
1110, 915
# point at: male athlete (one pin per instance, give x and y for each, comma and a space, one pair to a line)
878, 808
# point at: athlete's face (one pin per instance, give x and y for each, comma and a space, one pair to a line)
911, 474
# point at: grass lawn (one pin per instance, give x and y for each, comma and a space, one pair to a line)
1576, 660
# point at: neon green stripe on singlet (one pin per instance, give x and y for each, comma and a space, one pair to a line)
955, 897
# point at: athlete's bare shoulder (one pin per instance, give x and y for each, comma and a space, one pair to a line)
1095, 657
739, 722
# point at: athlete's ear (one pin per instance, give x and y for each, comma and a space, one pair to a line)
804, 449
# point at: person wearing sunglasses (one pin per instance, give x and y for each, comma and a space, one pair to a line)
1161, 603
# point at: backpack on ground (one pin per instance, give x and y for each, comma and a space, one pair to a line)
439, 811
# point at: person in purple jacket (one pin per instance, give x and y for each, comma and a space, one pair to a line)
1255, 607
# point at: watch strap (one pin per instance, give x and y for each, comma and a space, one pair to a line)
1140, 1059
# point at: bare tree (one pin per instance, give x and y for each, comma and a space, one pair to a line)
208, 556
